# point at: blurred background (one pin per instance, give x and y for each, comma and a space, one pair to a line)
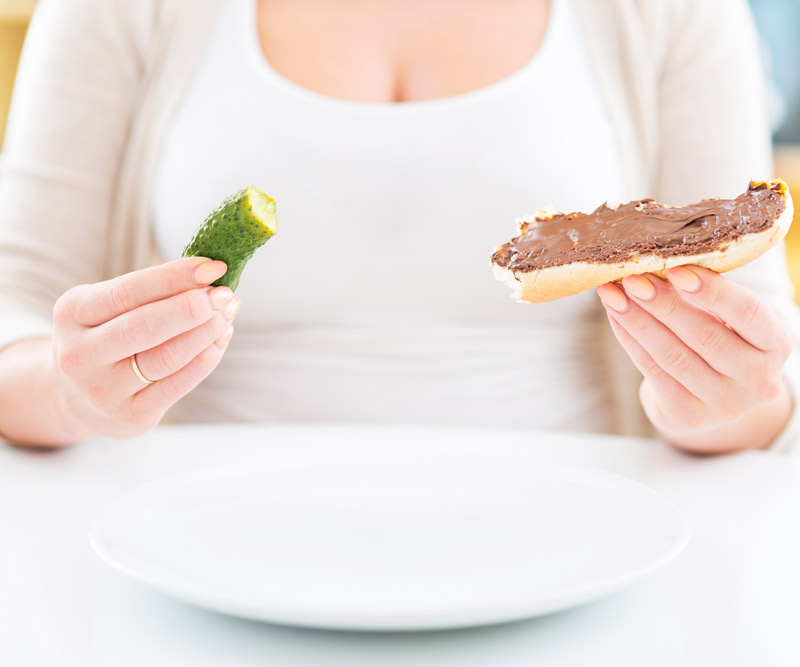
778, 22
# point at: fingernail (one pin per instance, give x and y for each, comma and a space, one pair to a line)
613, 297
209, 271
220, 297
640, 287
231, 309
684, 279
225, 338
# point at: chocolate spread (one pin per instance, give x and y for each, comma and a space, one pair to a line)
609, 235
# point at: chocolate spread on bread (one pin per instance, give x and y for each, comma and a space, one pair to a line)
610, 235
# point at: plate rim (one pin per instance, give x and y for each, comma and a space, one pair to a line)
403, 621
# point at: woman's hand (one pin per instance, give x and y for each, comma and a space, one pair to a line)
166, 318
712, 356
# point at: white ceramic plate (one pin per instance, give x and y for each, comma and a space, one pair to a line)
387, 537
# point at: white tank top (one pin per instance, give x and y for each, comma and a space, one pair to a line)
375, 302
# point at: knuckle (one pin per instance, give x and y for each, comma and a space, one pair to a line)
668, 304
121, 296
196, 305
104, 341
735, 402
62, 311
677, 357
694, 420
712, 338
68, 359
730, 393
636, 325
207, 361
97, 396
216, 326
766, 386
68, 306
135, 332
751, 311
714, 296
730, 412
650, 368
167, 360
693, 415
749, 368
172, 388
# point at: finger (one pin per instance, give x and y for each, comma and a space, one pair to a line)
721, 347
120, 382
673, 397
738, 307
169, 357
155, 323
161, 395
92, 305
664, 347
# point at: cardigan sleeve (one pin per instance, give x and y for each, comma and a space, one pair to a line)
76, 91
714, 137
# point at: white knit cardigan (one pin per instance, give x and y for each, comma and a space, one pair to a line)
100, 79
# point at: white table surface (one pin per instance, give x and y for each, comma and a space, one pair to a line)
732, 598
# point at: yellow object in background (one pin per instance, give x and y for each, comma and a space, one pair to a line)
15, 14
14, 17
16, 10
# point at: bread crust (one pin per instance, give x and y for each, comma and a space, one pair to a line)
555, 282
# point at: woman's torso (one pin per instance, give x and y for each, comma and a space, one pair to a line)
375, 301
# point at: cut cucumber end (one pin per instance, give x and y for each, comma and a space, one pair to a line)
263, 207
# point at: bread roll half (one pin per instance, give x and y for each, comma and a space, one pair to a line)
556, 254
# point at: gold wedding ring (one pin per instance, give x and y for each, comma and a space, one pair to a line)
139, 373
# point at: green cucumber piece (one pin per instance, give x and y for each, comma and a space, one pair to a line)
233, 231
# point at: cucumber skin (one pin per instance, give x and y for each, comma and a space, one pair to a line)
231, 233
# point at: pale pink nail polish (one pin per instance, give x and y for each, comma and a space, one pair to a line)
640, 287
208, 272
613, 297
225, 338
231, 309
220, 297
684, 279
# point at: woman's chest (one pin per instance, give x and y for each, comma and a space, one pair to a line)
396, 50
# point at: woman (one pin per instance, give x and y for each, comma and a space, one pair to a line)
400, 141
